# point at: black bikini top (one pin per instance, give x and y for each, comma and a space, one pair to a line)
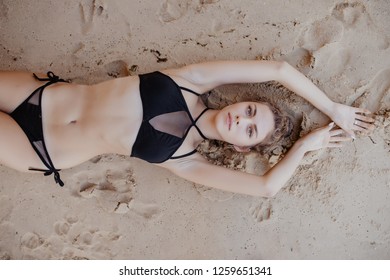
166, 119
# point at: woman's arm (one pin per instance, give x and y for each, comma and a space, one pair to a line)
198, 170
346, 117
208, 75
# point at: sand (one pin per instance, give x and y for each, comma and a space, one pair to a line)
337, 205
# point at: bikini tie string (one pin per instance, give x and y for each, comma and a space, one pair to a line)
57, 178
46, 172
51, 77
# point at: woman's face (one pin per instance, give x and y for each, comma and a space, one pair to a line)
245, 124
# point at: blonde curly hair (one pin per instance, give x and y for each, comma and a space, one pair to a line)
283, 129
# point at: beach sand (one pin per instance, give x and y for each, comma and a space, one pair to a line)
337, 205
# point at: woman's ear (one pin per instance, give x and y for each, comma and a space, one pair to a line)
242, 149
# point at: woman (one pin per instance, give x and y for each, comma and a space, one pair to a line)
48, 124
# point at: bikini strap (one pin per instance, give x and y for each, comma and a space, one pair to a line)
200, 132
190, 90
197, 128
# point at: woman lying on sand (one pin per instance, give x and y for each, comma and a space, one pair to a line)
160, 118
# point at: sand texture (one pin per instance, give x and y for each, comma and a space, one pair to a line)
337, 205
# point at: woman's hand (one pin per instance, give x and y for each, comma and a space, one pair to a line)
325, 137
351, 118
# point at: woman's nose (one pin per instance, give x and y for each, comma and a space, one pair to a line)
239, 119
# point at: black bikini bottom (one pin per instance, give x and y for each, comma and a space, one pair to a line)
29, 117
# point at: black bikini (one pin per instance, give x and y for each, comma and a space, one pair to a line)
163, 105
29, 117
165, 125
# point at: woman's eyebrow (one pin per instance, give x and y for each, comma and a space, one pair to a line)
254, 114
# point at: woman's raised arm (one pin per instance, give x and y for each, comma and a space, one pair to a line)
208, 75
198, 170
347, 117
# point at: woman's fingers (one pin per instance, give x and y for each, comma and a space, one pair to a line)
364, 119
339, 132
336, 132
336, 138
363, 122
329, 126
363, 111
363, 126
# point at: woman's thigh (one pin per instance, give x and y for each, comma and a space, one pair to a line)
15, 87
15, 149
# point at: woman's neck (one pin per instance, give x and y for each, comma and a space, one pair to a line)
207, 124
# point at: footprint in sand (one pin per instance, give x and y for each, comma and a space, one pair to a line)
62, 227
302, 59
31, 240
321, 33
333, 58
172, 10
348, 13
81, 242
88, 12
112, 189
355, 15
320, 45
375, 95
262, 211
329, 39
71, 239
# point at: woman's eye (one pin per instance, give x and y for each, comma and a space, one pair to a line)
249, 111
250, 131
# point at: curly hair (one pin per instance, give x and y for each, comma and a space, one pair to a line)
282, 130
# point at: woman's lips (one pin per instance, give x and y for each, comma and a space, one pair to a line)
229, 121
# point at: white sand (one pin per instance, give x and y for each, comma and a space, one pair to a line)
337, 206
